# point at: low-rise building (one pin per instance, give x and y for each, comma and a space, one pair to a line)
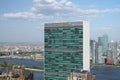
79, 75
17, 73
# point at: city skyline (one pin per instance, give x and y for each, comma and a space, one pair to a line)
22, 21
104, 51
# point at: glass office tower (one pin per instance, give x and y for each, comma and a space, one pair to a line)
105, 43
66, 49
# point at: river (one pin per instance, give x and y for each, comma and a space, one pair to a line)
106, 72
101, 72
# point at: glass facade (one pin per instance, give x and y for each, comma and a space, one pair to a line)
105, 44
63, 51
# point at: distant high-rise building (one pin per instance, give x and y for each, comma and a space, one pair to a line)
100, 41
112, 52
105, 43
99, 54
66, 49
99, 50
93, 50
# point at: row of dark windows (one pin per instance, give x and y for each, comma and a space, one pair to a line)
63, 36
57, 30
63, 46
63, 40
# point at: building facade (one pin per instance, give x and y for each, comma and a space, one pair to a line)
102, 49
105, 44
99, 41
93, 51
66, 49
112, 54
100, 59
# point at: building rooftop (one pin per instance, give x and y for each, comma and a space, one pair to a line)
65, 24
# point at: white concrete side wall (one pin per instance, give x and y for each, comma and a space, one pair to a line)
86, 46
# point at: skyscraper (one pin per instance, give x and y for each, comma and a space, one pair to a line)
66, 49
100, 60
99, 52
102, 48
99, 41
104, 43
112, 52
93, 50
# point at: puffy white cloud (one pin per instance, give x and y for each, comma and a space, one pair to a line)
52, 7
55, 8
23, 15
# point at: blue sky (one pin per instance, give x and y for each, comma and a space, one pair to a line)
23, 20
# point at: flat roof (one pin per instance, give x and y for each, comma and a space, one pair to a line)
64, 24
